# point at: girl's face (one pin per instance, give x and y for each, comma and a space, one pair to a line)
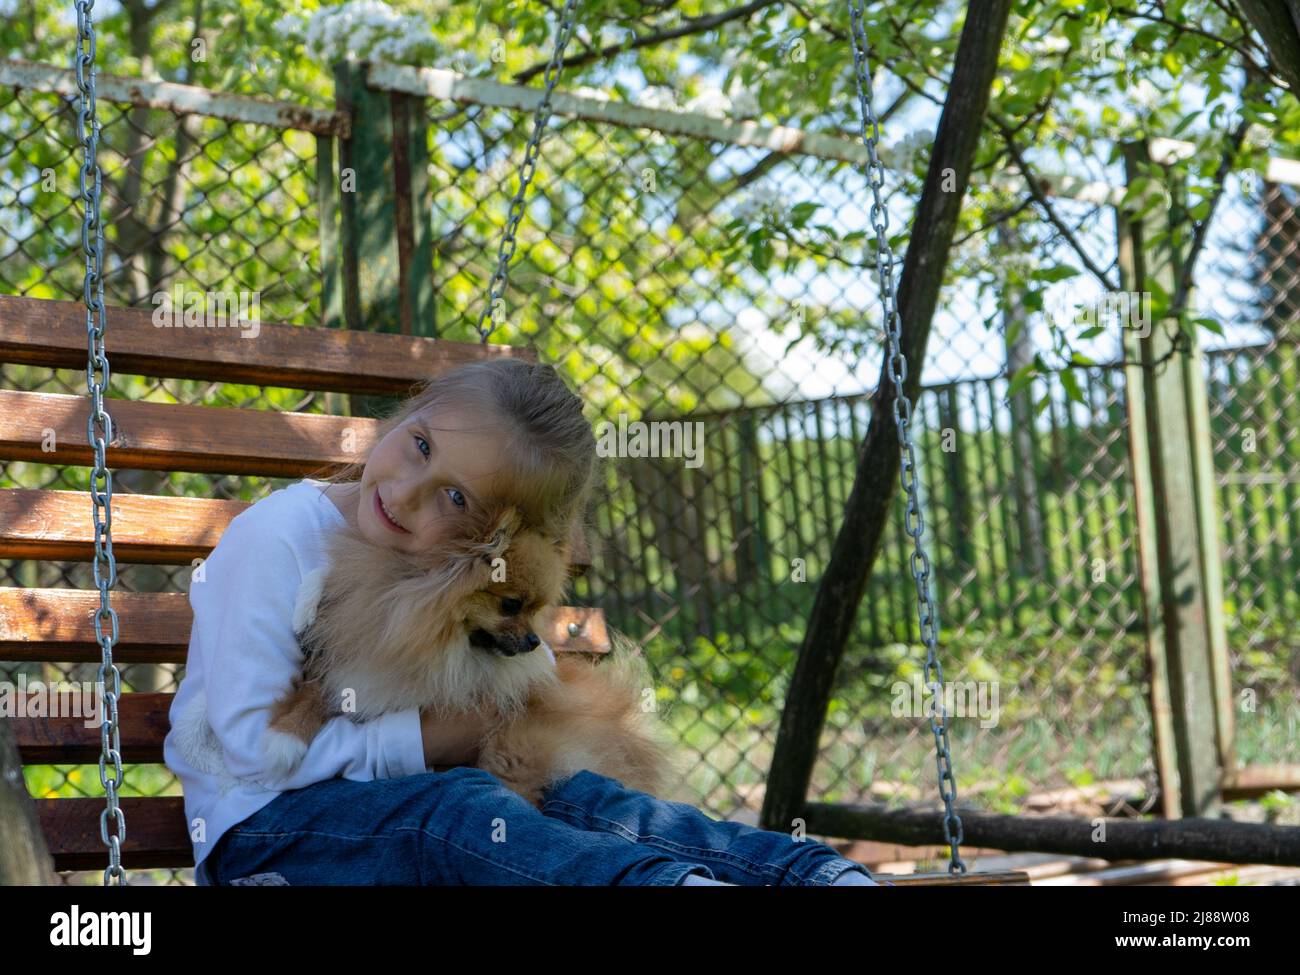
427, 479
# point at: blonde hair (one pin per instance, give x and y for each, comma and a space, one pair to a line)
549, 447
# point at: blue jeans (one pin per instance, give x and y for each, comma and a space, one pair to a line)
462, 826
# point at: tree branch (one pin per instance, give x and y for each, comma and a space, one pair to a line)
695, 25
1036, 190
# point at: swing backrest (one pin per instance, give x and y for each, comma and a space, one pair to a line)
57, 625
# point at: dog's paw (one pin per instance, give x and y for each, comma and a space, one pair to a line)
281, 753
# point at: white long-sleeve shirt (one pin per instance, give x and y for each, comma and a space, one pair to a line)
243, 654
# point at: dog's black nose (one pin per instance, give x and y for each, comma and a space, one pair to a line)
533, 640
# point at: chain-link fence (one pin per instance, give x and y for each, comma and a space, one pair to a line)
1252, 285
719, 285
1037, 580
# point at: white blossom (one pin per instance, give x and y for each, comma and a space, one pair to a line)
364, 29
1147, 95
711, 102
611, 34
290, 25
656, 96
1051, 44
901, 156
744, 103
586, 91
462, 62
761, 198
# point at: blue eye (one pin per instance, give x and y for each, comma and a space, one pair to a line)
426, 444
456, 494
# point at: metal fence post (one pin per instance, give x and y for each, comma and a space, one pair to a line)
1177, 537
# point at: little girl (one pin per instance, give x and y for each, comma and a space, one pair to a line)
363, 807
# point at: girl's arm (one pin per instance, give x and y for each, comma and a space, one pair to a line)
243, 626
455, 740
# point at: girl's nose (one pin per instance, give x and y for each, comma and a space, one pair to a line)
405, 498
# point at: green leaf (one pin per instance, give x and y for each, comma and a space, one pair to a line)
1058, 273
801, 213
1021, 379
1143, 38
1184, 122
1071, 384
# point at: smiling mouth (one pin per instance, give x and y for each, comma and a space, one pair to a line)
386, 517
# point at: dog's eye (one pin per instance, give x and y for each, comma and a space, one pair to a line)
511, 606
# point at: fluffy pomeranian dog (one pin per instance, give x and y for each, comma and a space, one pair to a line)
454, 631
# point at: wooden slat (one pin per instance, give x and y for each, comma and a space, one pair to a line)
175, 437
576, 629
157, 530
40, 332
57, 625
1009, 878
155, 832
72, 737
143, 723
202, 439
58, 525
1254, 781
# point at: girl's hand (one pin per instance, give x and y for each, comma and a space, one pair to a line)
454, 740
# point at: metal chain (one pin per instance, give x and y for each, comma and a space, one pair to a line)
506, 250
99, 431
952, 830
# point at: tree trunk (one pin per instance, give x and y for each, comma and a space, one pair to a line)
840, 590
24, 858
1276, 21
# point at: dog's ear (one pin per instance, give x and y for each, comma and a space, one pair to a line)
472, 545
503, 524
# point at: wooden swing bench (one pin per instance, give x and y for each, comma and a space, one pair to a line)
57, 625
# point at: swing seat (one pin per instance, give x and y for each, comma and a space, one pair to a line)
57, 625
